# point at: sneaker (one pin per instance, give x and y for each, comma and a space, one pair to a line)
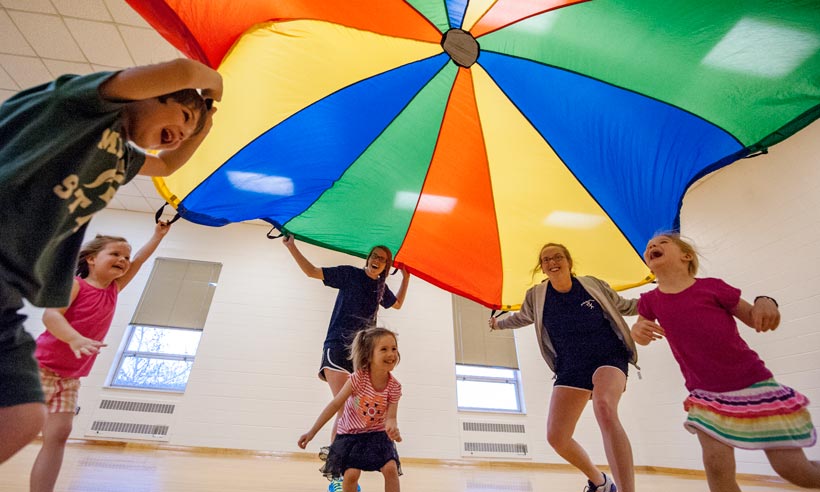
323, 451
336, 486
607, 486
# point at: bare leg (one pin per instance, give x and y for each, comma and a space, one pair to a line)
719, 462
391, 476
793, 465
566, 406
336, 380
351, 480
50, 458
609, 384
19, 424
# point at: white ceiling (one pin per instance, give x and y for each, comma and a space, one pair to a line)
42, 39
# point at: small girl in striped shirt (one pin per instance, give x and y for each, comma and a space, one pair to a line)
734, 401
367, 429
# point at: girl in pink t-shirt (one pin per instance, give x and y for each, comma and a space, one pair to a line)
367, 429
734, 402
74, 336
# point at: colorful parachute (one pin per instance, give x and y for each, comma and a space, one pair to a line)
466, 134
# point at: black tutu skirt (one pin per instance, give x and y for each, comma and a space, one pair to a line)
368, 451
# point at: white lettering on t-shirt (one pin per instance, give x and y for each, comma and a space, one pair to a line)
81, 201
111, 142
103, 186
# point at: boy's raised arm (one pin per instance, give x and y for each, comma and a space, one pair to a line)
145, 82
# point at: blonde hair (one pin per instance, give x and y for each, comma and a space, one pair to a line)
91, 248
361, 350
684, 246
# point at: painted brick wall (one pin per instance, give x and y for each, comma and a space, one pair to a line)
254, 385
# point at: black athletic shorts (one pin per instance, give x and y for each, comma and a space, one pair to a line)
335, 357
581, 376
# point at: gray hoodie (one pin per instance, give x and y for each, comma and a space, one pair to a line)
614, 306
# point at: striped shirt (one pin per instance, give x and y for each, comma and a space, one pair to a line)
366, 409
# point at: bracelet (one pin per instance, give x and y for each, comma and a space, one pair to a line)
769, 298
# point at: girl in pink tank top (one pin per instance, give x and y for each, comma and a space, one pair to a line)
74, 336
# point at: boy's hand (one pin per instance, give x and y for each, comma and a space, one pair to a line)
304, 439
645, 331
83, 347
209, 120
214, 93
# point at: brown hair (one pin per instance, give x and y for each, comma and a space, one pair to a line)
191, 99
91, 248
560, 246
388, 263
361, 350
684, 246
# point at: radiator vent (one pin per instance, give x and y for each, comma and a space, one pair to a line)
130, 428
495, 447
494, 439
492, 427
137, 406
130, 420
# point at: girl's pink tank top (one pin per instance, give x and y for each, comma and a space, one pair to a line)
90, 314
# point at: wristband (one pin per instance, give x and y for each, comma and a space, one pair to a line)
769, 298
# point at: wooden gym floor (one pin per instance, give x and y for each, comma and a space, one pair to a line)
90, 467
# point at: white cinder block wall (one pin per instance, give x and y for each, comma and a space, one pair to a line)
756, 225
254, 385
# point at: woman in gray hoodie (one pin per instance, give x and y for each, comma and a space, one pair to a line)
587, 344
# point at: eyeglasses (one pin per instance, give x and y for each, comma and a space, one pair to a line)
379, 257
557, 258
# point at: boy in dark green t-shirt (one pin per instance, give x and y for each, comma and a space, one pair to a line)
65, 148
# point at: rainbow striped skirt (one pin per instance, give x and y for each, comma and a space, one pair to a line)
766, 415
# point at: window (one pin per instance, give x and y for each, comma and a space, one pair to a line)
163, 337
488, 388
157, 358
487, 375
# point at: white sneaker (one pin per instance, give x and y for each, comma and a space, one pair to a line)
607, 486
